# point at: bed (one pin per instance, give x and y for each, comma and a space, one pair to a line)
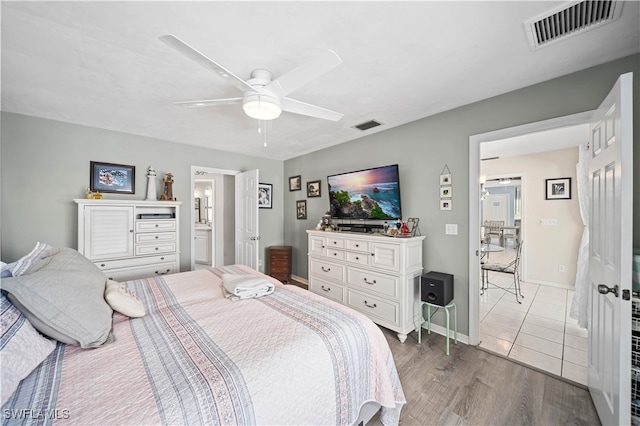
200, 357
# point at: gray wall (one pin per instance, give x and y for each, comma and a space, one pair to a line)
45, 165
424, 147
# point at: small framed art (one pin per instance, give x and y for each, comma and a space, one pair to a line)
265, 195
445, 192
445, 204
301, 209
558, 189
109, 177
313, 189
295, 183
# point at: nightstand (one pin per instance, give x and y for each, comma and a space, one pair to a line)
279, 263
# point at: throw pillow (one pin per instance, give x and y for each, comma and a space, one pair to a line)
63, 297
22, 348
123, 300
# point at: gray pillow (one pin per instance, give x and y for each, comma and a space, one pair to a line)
62, 295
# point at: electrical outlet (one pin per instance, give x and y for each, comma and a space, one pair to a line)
561, 268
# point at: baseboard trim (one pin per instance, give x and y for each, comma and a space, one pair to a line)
300, 279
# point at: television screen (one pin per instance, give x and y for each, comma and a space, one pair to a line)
366, 194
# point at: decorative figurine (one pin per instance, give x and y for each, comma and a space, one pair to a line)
167, 195
151, 184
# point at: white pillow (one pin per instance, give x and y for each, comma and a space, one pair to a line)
22, 348
123, 300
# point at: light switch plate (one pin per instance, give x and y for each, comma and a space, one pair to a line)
451, 229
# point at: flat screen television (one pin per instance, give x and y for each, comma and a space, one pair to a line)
366, 194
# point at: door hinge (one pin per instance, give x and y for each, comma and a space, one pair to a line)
626, 295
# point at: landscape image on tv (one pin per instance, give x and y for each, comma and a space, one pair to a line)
365, 194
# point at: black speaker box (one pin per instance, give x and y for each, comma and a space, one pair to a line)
436, 288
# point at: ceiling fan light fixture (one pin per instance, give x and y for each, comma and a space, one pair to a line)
261, 107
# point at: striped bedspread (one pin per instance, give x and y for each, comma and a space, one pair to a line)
198, 358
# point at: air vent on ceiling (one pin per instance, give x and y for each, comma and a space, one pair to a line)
367, 125
570, 20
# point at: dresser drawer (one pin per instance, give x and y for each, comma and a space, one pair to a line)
328, 290
371, 281
142, 250
359, 258
335, 254
137, 261
373, 306
153, 237
132, 273
358, 245
155, 225
333, 242
326, 270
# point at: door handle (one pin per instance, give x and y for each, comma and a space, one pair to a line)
603, 289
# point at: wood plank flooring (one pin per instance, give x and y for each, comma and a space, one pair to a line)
474, 387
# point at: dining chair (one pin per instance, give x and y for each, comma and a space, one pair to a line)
508, 268
494, 228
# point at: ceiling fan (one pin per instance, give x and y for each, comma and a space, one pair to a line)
264, 98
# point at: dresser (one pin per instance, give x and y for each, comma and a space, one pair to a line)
130, 239
279, 263
371, 273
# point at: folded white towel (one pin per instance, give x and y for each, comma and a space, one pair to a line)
246, 286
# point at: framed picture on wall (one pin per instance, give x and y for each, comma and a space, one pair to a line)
301, 209
558, 189
109, 177
265, 195
313, 188
295, 183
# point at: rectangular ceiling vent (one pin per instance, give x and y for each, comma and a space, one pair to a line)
367, 125
570, 20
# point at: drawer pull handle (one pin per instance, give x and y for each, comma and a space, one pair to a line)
162, 258
131, 230
369, 282
357, 258
162, 273
357, 245
157, 225
326, 270
326, 288
335, 242
157, 237
372, 254
102, 265
335, 254
156, 248
370, 306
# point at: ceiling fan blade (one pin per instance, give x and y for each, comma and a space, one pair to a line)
303, 108
194, 55
306, 72
209, 102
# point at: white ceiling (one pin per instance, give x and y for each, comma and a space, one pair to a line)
101, 64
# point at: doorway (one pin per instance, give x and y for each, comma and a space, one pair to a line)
516, 140
212, 217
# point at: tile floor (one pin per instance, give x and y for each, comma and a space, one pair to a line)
539, 332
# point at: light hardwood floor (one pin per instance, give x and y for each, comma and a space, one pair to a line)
475, 387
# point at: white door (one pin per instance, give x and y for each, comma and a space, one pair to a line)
496, 207
610, 181
247, 238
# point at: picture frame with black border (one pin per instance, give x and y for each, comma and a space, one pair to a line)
558, 189
313, 189
301, 209
265, 195
112, 178
295, 183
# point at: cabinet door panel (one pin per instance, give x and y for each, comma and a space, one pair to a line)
108, 232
